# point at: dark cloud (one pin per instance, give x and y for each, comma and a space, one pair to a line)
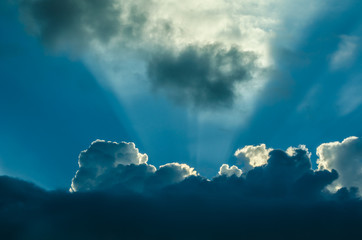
203, 76
182, 212
285, 178
76, 24
283, 199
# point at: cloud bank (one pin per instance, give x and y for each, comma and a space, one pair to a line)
117, 194
268, 173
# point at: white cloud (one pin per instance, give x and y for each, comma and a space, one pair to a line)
226, 170
346, 158
107, 165
292, 151
170, 173
253, 156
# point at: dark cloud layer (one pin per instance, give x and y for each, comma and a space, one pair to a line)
283, 199
205, 76
27, 212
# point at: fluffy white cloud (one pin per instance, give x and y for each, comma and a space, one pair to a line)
291, 151
108, 165
346, 158
226, 170
105, 164
170, 173
253, 156
112, 154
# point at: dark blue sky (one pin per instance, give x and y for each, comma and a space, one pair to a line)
53, 104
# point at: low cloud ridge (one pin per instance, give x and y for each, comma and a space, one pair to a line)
117, 194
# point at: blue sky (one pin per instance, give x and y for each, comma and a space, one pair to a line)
62, 90
51, 108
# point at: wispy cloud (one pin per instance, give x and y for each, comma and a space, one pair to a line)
346, 52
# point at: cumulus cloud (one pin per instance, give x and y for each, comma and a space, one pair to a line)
346, 158
120, 167
226, 170
288, 175
253, 156
109, 165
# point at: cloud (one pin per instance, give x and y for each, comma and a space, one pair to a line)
75, 26
285, 197
108, 165
120, 167
198, 59
346, 158
92, 215
205, 76
346, 52
226, 170
288, 175
253, 156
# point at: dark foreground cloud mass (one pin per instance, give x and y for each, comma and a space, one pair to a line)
116, 194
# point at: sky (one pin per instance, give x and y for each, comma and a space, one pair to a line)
154, 103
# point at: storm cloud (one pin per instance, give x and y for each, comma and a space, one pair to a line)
282, 199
